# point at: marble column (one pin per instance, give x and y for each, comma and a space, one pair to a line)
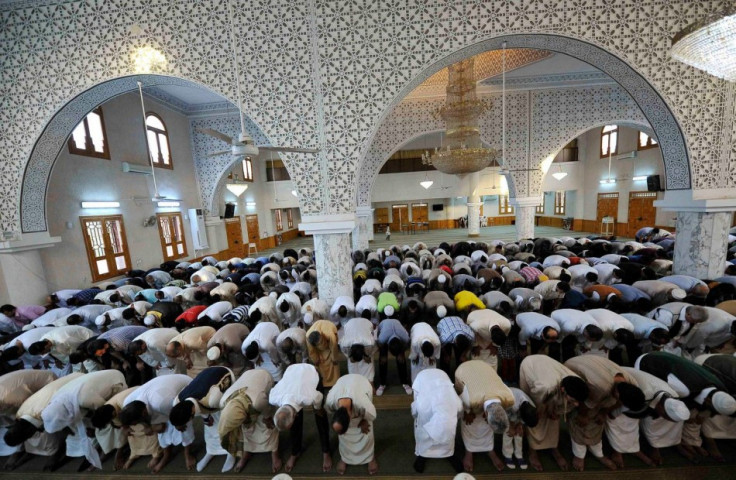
332, 249
363, 226
474, 205
703, 221
474, 219
524, 208
701, 243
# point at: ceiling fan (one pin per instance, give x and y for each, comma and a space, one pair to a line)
243, 146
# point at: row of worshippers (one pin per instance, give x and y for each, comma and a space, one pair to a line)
446, 327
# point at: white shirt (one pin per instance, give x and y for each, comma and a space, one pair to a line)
156, 340
609, 323
573, 322
297, 388
299, 337
358, 331
532, 324
48, 318
264, 334
422, 332
66, 339
436, 409
158, 394
216, 311
27, 339
292, 316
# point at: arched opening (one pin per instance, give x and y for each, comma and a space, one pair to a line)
648, 101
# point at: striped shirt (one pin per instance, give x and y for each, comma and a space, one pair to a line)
119, 338
450, 327
86, 296
237, 315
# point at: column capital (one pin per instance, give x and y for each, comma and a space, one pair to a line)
364, 211
29, 241
706, 201
326, 224
525, 201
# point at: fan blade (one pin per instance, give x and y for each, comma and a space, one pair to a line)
216, 134
288, 149
217, 154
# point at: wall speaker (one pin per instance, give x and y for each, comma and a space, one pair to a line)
653, 183
229, 210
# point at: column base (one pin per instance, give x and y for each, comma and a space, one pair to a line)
473, 235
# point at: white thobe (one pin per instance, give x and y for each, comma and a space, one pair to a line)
265, 335
359, 331
422, 332
48, 318
216, 311
156, 340
436, 409
297, 388
158, 395
356, 447
531, 325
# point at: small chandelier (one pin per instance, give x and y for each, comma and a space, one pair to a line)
709, 44
559, 174
464, 152
426, 183
236, 188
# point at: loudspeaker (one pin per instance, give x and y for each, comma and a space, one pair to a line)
229, 210
653, 183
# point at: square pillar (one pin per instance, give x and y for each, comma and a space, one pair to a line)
332, 250
524, 208
701, 243
363, 232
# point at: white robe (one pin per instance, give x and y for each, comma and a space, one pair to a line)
436, 409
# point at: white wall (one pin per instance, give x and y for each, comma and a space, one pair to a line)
78, 178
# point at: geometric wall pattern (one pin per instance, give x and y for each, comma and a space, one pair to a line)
327, 73
538, 124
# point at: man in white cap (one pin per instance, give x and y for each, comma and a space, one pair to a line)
436, 409
700, 389
351, 402
661, 292
296, 390
358, 344
438, 305
313, 310
661, 423
111, 319
224, 347
719, 426
190, 346
74, 402
425, 349
85, 316
485, 400
150, 349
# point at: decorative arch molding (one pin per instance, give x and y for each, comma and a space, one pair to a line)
653, 107
57, 130
532, 135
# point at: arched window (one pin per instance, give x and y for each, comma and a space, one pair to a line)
89, 137
645, 142
158, 141
609, 140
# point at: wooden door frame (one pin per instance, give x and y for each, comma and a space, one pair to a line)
170, 216
258, 234
108, 247
632, 197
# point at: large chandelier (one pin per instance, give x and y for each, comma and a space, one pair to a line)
463, 152
709, 44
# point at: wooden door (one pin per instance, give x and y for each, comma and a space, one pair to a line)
641, 211
235, 237
399, 217
254, 235
380, 220
607, 206
419, 213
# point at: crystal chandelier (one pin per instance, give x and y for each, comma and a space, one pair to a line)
463, 152
709, 44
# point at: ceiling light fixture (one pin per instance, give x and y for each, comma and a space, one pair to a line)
559, 175
608, 181
100, 204
709, 44
426, 183
237, 189
148, 60
293, 192
168, 204
639, 178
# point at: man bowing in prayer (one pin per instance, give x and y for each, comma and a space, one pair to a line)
351, 402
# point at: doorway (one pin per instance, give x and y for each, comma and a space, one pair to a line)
399, 217
234, 233
254, 235
607, 207
641, 211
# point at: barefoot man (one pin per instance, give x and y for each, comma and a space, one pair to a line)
351, 403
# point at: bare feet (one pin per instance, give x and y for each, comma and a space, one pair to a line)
190, 461
290, 463
119, 459
326, 462
687, 452
242, 462
578, 464
341, 467
561, 462
275, 461
534, 460
497, 462
701, 451
713, 450
151, 463
641, 456
618, 459
468, 462
656, 457
606, 462
373, 467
